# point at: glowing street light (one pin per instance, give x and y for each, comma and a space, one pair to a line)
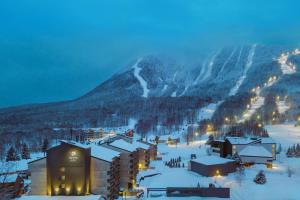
278, 98
227, 119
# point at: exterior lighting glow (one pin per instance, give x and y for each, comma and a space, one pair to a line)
196, 134
278, 98
218, 173
140, 165
259, 125
68, 189
56, 190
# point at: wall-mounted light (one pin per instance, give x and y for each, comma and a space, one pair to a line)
68, 190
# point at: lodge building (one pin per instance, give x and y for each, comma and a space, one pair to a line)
250, 150
72, 169
128, 162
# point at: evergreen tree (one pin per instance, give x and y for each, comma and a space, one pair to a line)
279, 149
260, 178
288, 153
12, 155
45, 145
237, 158
297, 150
25, 152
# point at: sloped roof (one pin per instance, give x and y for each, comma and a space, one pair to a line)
122, 144
141, 145
212, 160
77, 144
255, 151
241, 140
103, 153
9, 178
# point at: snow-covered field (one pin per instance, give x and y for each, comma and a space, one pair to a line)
89, 197
242, 186
279, 185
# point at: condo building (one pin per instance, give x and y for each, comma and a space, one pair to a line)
72, 168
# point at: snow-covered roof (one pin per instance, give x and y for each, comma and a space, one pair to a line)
36, 159
122, 144
141, 145
212, 160
240, 140
267, 140
13, 166
164, 137
9, 178
78, 144
255, 150
103, 153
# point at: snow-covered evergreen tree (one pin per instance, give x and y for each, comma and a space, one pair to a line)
260, 178
25, 154
45, 145
12, 155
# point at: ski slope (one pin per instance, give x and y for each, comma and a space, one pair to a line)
287, 67
282, 106
208, 111
235, 89
258, 101
143, 83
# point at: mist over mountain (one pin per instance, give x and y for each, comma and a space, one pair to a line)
156, 91
53, 50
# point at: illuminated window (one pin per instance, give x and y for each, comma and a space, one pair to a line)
62, 185
63, 178
62, 169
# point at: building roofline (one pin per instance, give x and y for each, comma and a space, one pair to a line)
38, 159
101, 159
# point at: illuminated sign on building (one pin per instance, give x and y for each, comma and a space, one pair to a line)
73, 157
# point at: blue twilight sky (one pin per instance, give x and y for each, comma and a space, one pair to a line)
53, 50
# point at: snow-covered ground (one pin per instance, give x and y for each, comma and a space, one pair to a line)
258, 101
208, 111
242, 185
89, 197
21, 165
143, 83
287, 67
282, 106
285, 134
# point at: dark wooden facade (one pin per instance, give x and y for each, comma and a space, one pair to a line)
10, 189
68, 170
198, 191
213, 170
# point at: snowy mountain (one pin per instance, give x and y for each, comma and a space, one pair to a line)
158, 90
